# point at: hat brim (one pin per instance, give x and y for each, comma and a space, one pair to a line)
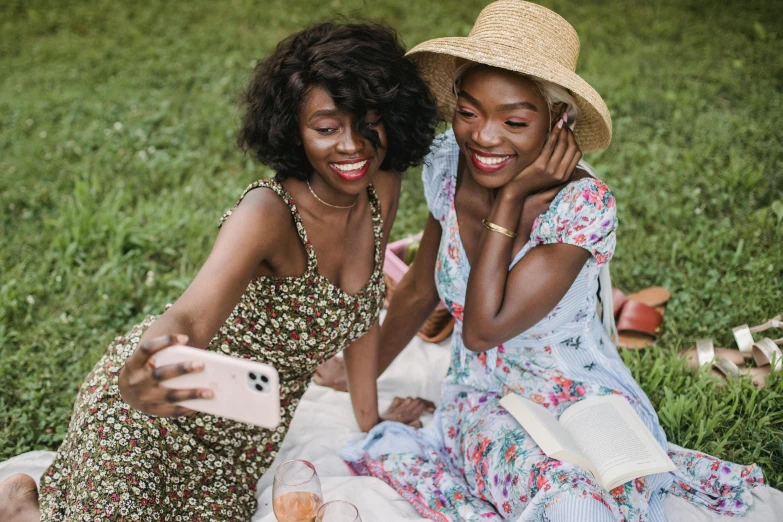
437, 62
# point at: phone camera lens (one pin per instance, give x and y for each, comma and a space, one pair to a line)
264, 378
253, 376
259, 387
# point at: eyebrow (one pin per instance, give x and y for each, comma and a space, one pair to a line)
518, 106
324, 112
505, 107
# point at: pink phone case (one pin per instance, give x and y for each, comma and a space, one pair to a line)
245, 391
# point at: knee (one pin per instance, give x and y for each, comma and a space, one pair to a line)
18, 497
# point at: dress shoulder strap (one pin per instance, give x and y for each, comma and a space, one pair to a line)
377, 223
277, 187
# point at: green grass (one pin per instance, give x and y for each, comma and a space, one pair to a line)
117, 157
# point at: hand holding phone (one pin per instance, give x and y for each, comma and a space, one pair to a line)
141, 383
242, 390
164, 378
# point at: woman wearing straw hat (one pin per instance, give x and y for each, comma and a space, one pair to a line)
518, 238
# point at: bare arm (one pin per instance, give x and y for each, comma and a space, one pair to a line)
361, 357
246, 239
361, 363
414, 299
500, 304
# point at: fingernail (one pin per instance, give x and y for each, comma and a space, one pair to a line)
565, 117
197, 365
182, 338
560, 124
207, 394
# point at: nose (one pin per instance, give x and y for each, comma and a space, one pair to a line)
485, 135
350, 142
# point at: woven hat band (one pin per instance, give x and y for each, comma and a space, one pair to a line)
529, 28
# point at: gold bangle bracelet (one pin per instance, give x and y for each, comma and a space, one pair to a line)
497, 228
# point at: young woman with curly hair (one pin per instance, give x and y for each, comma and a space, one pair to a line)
294, 277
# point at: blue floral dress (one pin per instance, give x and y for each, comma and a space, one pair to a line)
477, 462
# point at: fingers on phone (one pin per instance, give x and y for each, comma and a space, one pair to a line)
174, 396
175, 370
152, 346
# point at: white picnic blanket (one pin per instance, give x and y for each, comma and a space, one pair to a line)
324, 423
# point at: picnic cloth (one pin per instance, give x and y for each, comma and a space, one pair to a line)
324, 424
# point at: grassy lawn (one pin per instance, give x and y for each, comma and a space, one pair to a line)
117, 157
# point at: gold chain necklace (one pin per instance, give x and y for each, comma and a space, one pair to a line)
329, 204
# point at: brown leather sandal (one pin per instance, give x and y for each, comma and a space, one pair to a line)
639, 316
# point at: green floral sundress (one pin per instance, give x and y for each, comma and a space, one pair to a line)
117, 463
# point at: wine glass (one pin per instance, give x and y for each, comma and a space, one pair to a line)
296, 492
338, 511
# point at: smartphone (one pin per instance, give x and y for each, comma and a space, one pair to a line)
245, 391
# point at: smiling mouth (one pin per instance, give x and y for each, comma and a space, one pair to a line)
351, 171
489, 163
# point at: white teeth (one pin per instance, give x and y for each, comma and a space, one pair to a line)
494, 160
348, 167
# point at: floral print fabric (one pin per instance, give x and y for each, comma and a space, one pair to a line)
117, 463
477, 462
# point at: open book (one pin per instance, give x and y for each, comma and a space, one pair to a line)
602, 435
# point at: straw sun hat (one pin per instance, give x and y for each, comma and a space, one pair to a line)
526, 38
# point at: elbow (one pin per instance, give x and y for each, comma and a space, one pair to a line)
475, 340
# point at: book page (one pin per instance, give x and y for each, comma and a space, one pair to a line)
550, 436
610, 434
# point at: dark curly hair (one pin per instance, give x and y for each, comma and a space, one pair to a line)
363, 67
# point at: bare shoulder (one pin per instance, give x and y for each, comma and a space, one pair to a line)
388, 185
261, 211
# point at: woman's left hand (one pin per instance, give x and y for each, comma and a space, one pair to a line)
408, 411
553, 167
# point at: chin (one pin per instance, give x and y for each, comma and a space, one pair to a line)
488, 180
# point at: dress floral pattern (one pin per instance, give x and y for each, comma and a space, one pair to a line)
117, 463
477, 462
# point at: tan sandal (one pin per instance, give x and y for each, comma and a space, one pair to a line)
744, 334
768, 358
727, 368
705, 353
